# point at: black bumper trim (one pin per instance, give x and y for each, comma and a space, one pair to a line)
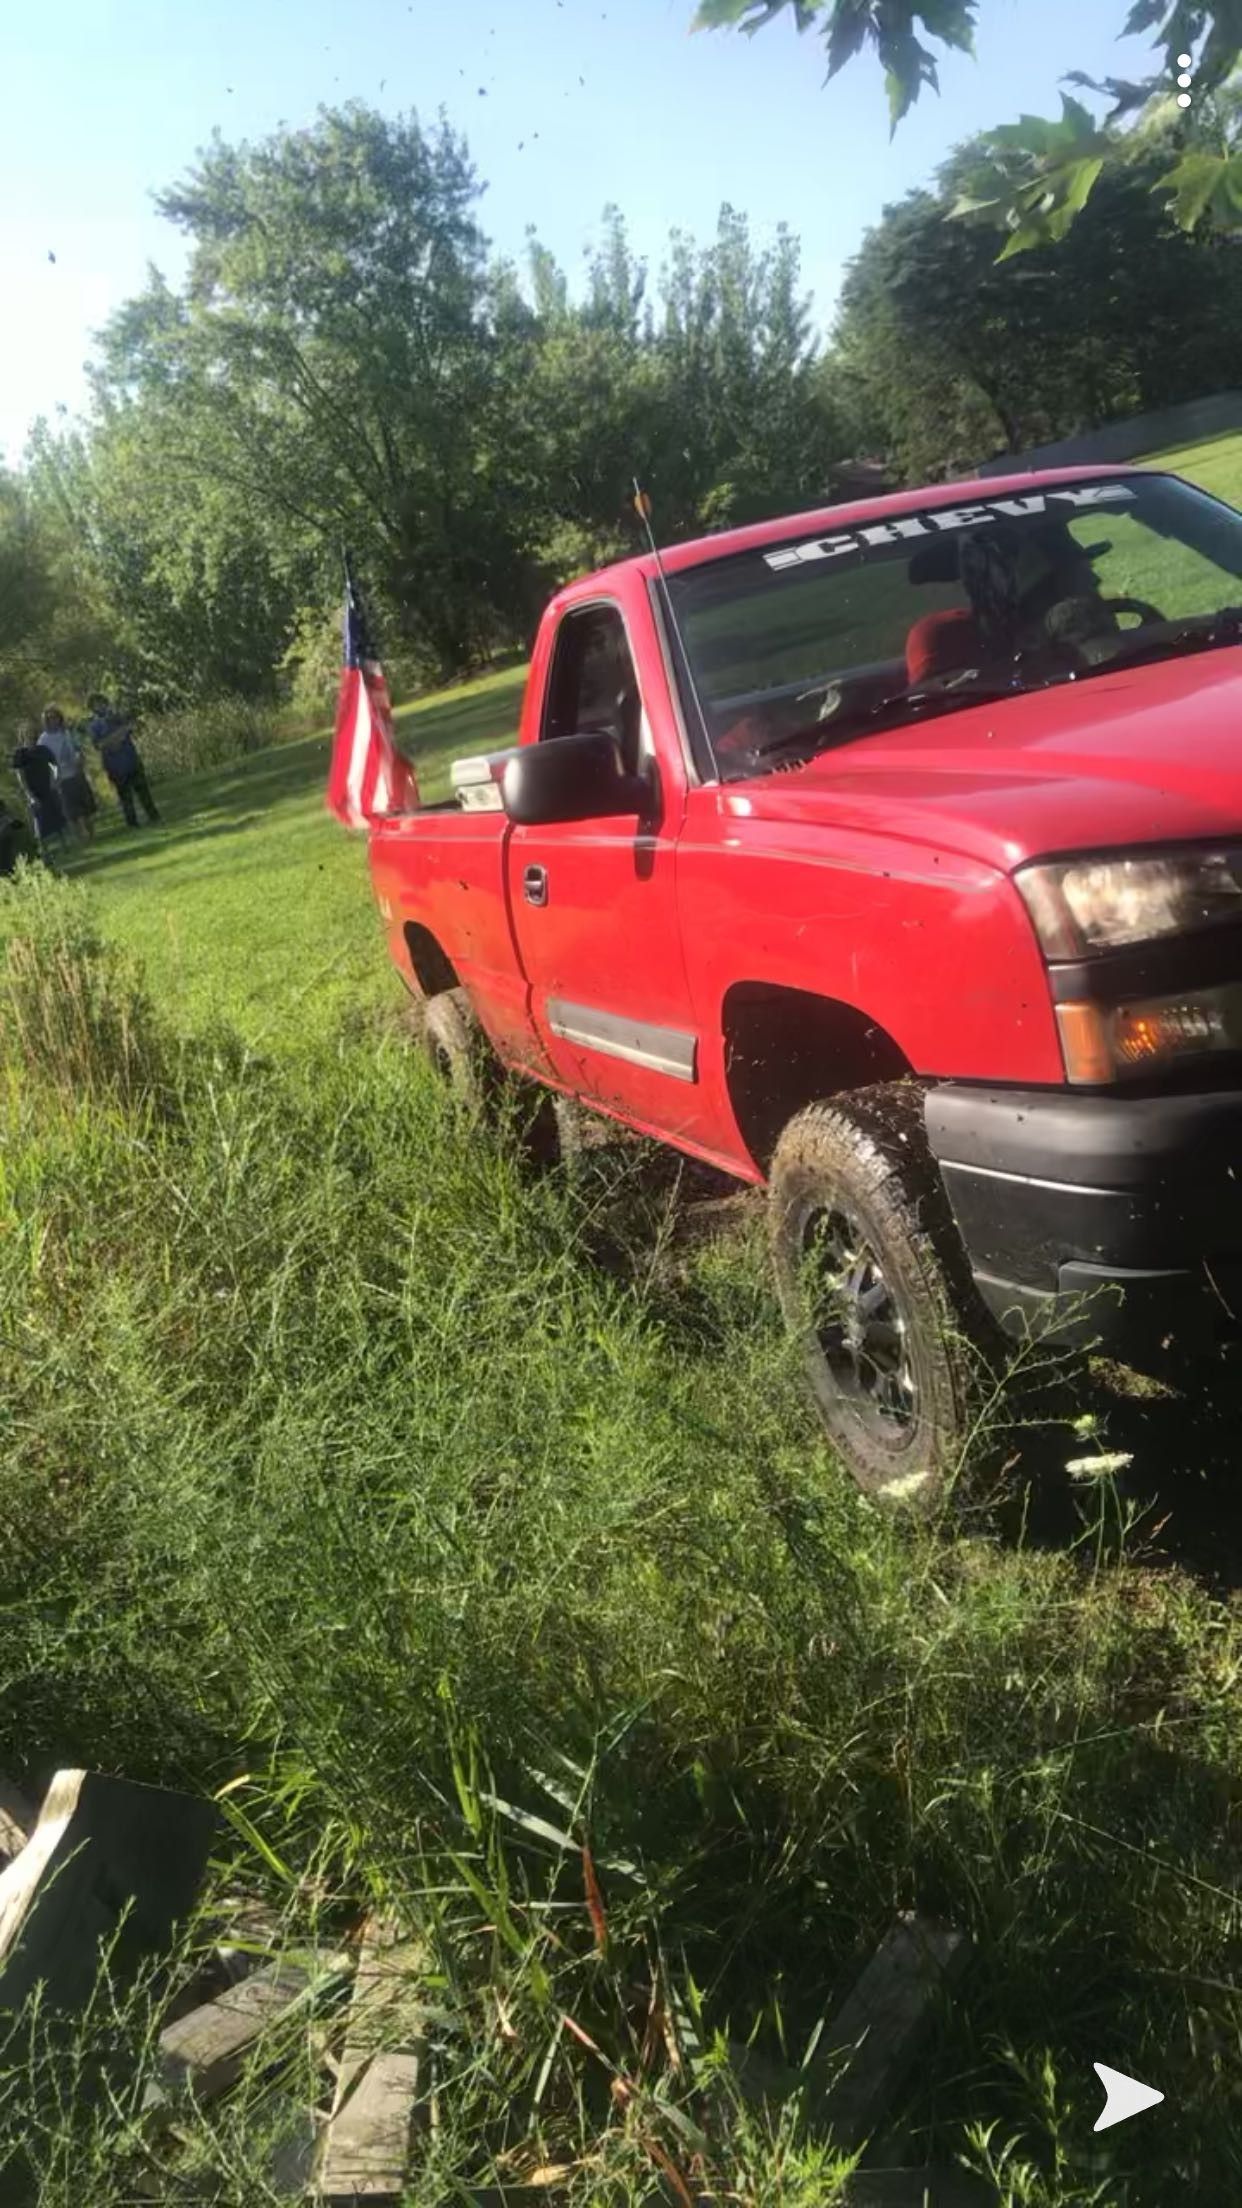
1096, 1217
1058, 1135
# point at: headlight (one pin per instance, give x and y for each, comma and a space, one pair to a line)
1088, 905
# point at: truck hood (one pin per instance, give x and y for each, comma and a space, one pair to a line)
1146, 754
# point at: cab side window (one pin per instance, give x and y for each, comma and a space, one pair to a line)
594, 687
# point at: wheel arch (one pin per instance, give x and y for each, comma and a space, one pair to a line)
430, 965
785, 1048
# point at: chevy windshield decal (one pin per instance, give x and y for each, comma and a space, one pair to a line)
944, 518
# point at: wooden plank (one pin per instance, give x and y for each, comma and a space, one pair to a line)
871, 2041
108, 1861
382, 2079
208, 2049
18, 1818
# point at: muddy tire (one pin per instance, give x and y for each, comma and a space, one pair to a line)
874, 1286
546, 1127
459, 1051
410, 1021
569, 1135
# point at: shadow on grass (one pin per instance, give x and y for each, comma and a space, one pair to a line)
1179, 1477
1174, 1500
167, 834
431, 736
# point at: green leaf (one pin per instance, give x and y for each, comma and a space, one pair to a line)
1125, 96
1081, 182
1030, 233
719, 15
899, 98
952, 22
967, 204
1031, 134
1143, 16
1193, 186
526, 1821
847, 33
1073, 111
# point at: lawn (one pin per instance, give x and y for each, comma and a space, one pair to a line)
1215, 464
251, 903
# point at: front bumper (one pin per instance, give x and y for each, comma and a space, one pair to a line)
1105, 1219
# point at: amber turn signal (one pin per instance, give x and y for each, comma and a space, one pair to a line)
1085, 1043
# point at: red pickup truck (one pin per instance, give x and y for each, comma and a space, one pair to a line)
889, 856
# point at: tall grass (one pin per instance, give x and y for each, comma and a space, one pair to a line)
211, 733
77, 1018
349, 1463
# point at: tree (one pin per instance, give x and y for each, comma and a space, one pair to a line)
1033, 178
704, 382
744, 433
344, 365
25, 598
329, 375
963, 357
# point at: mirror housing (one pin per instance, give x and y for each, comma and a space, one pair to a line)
573, 778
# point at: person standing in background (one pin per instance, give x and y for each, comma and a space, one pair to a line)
36, 775
72, 781
15, 842
112, 734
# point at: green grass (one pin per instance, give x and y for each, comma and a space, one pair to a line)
442, 1510
251, 903
1215, 464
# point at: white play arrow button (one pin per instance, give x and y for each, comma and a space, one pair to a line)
1126, 2096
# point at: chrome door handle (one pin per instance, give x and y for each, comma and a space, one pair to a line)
535, 885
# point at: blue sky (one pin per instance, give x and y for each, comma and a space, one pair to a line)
106, 100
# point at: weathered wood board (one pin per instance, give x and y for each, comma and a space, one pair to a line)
366, 2147
869, 2044
208, 2049
17, 1820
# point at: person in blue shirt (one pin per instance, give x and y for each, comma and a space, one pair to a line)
113, 737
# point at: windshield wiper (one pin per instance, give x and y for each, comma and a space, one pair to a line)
971, 688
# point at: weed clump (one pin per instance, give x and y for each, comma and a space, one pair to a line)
350, 1466
74, 1014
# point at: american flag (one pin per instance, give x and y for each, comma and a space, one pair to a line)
368, 775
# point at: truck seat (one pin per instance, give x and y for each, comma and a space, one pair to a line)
942, 644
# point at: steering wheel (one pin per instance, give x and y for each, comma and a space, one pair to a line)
1147, 613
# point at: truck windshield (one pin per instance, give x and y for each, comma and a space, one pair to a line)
805, 643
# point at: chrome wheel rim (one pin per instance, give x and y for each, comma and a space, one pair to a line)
858, 1324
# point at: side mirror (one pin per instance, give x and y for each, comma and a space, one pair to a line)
573, 778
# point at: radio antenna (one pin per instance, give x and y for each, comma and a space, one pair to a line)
642, 507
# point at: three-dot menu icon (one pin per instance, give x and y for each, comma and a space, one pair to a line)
1183, 80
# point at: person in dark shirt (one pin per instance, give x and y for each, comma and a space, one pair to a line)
16, 841
112, 734
36, 773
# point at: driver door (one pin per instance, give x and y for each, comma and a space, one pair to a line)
594, 902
